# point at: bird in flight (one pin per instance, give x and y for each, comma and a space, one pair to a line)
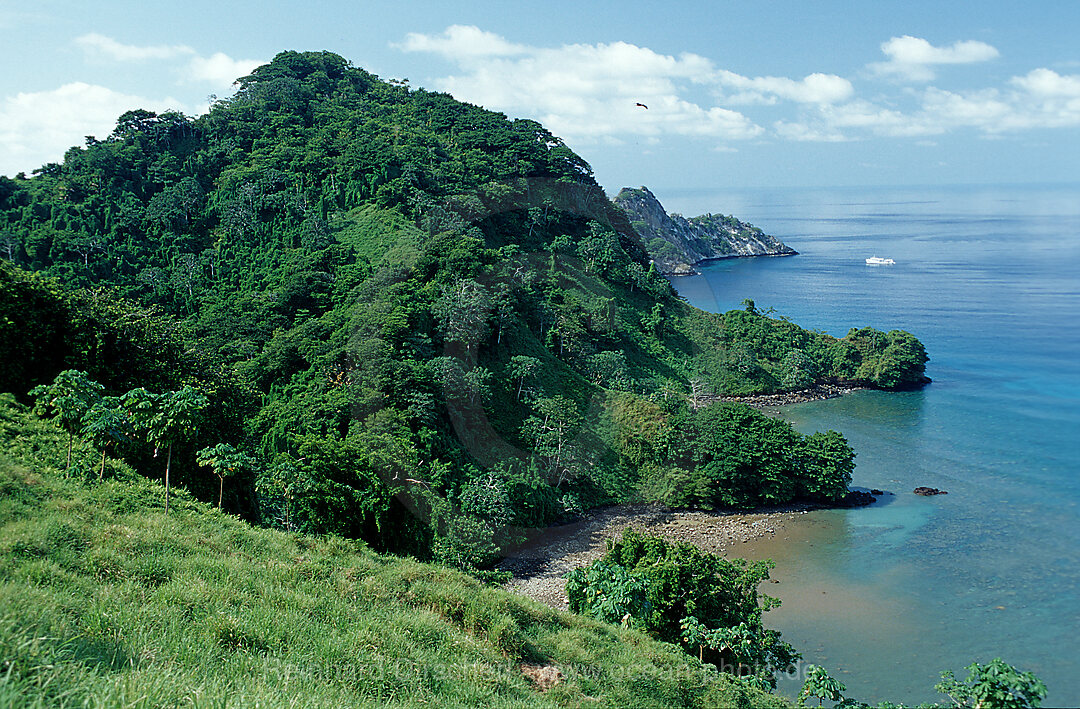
642, 105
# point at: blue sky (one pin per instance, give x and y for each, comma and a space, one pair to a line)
740, 94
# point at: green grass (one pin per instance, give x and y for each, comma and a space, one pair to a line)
106, 602
372, 232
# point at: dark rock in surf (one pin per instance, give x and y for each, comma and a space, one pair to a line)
857, 498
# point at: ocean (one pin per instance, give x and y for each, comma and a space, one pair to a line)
886, 597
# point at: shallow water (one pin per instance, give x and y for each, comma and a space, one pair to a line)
989, 279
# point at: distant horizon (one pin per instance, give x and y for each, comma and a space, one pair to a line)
692, 201
878, 186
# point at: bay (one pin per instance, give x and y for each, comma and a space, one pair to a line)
988, 278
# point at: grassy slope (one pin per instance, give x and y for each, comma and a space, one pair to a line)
104, 601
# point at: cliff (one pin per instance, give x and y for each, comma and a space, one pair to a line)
676, 244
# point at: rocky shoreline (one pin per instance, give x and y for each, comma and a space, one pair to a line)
677, 244
539, 565
818, 392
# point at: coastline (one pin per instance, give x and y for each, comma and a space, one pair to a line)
683, 268
538, 566
818, 392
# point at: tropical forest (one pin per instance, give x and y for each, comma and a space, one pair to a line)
283, 383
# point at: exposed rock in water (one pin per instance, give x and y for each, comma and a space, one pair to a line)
676, 243
857, 498
928, 491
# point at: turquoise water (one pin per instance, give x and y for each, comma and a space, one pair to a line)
989, 280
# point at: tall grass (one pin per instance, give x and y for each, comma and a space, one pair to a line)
106, 602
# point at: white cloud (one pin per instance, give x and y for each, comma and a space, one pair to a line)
985, 109
583, 92
1040, 99
802, 132
590, 91
39, 127
1044, 82
815, 88
914, 58
879, 120
459, 41
107, 47
219, 69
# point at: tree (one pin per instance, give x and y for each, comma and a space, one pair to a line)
521, 368
698, 389
461, 540
599, 248
610, 593
105, 423
463, 312
186, 272
11, 245
68, 398
487, 498
503, 303
458, 382
166, 419
705, 601
995, 685
551, 430
749, 458
828, 464
653, 321
225, 461
610, 369
888, 360
820, 685
797, 370
285, 480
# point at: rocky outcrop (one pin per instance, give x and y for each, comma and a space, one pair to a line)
856, 498
676, 244
928, 491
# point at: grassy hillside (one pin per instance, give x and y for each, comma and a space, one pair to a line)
105, 601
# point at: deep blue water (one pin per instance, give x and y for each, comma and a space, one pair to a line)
989, 280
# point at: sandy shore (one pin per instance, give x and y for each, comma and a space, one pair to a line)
538, 566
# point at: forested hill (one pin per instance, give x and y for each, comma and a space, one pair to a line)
422, 324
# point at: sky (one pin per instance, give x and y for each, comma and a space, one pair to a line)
738, 94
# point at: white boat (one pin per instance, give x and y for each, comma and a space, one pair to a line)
878, 261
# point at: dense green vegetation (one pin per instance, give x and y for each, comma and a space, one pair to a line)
729, 455
379, 320
680, 594
107, 601
428, 315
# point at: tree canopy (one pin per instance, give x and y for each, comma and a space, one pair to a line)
410, 298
